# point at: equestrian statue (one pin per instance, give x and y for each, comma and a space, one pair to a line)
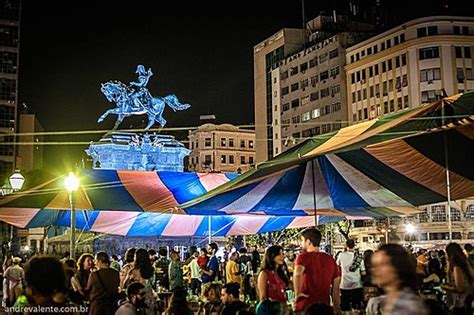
135, 99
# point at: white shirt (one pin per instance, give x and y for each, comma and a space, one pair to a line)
349, 280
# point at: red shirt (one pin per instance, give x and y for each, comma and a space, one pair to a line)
319, 274
275, 287
202, 261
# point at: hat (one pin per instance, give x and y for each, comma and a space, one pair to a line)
16, 260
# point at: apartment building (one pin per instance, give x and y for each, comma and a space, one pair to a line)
409, 65
221, 148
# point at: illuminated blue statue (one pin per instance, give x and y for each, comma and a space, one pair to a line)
137, 100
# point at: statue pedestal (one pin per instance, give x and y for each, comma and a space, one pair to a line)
130, 151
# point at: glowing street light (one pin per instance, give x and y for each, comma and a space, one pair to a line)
16, 180
410, 228
72, 185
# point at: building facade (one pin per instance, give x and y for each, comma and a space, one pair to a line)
29, 155
9, 54
409, 65
299, 83
221, 148
430, 225
266, 57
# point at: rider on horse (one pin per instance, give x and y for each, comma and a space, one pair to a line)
142, 96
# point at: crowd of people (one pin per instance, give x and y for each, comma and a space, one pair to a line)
392, 280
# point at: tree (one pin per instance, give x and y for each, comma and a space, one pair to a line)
344, 227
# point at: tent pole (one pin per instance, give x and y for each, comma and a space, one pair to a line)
448, 182
316, 218
210, 229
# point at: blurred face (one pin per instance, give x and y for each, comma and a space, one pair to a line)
88, 263
226, 298
203, 253
279, 258
212, 296
305, 243
139, 298
383, 272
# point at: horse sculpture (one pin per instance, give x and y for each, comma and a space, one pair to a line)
130, 101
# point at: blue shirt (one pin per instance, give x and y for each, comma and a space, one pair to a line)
212, 265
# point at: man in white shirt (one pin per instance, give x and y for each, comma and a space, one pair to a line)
352, 268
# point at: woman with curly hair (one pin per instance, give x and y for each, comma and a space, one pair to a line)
125, 272
143, 272
85, 264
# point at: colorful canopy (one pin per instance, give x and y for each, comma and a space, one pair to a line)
380, 167
110, 190
153, 224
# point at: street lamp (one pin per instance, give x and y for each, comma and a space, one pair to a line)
410, 229
16, 180
72, 185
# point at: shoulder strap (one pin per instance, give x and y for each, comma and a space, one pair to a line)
102, 284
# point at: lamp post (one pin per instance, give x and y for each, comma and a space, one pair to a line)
16, 183
410, 229
72, 185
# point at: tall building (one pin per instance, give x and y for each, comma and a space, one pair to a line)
29, 155
221, 148
409, 65
298, 75
266, 57
9, 53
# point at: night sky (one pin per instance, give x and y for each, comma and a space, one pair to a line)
202, 53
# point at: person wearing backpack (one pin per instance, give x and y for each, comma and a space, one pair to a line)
352, 270
103, 287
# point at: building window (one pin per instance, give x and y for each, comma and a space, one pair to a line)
314, 96
392, 105
306, 116
376, 49
460, 75
295, 120
438, 213
315, 113
354, 97
432, 30
313, 62
336, 107
305, 100
421, 32
423, 216
389, 43
284, 75
352, 58
7, 89
467, 52
389, 64
293, 71
242, 143
197, 144
458, 51
231, 159
285, 107
207, 142
324, 75
295, 103
223, 159
352, 78
207, 159
323, 58
303, 67
223, 142
335, 89
405, 101
333, 54
457, 30
242, 160
251, 144
468, 73
395, 40
251, 160
295, 86
382, 46
455, 215
314, 80
469, 215
304, 83
402, 38
430, 74
334, 71
369, 51
376, 69
430, 96
285, 90
324, 92
231, 143
404, 60
404, 80
429, 53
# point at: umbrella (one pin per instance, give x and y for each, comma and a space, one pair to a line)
381, 167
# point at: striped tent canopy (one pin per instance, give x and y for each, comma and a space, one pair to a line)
155, 224
381, 167
110, 190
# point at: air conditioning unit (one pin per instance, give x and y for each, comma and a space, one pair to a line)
362, 81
